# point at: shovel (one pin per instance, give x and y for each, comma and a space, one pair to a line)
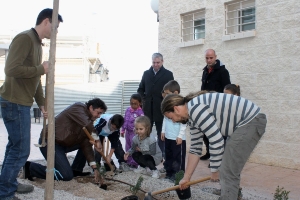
45, 120
112, 168
148, 196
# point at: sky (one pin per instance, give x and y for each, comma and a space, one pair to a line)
126, 30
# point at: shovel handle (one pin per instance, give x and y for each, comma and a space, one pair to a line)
88, 134
101, 153
177, 186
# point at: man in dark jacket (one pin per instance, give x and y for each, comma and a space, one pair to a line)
69, 136
214, 78
150, 88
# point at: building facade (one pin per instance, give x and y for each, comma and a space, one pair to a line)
78, 60
259, 43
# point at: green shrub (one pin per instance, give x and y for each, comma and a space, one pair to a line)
281, 194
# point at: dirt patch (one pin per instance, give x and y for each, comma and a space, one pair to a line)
85, 188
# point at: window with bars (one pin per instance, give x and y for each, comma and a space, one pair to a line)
240, 16
193, 26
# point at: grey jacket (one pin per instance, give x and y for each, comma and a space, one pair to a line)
148, 146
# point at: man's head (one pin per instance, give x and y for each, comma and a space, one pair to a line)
173, 107
172, 87
210, 57
96, 107
116, 122
43, 23
157, 61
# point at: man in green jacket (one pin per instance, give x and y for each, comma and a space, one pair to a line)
23, 70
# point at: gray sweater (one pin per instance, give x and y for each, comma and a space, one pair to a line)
148, 146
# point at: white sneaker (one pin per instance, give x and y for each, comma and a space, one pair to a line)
140, 170
162, 170
124, 167
155, 174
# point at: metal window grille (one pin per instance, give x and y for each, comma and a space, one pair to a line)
240, 16
193, 26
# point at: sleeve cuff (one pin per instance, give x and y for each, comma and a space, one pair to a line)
92, 163
214, 170
95, 136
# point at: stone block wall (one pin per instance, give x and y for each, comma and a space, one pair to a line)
266, 66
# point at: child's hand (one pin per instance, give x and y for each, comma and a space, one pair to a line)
97, 145
162, 136
122, 134
137, 149
108, 158
126, 156
178, 141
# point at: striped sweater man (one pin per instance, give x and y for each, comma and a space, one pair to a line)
217, 114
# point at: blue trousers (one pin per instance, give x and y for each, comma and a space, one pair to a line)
61, 163
17, 122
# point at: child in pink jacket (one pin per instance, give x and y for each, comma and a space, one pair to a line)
132, 112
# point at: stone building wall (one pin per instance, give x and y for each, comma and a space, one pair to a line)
266, 66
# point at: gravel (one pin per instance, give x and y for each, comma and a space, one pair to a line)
85, 189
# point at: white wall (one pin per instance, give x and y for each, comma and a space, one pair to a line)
265, 66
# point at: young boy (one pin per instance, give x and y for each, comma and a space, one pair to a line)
174, 136
108, 125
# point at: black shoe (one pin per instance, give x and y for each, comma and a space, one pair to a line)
26, 171
107, 168
205, 157
78, 173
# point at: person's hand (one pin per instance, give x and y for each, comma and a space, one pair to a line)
126, 156
182, 182
97, 176
162, 136
178, 141
122, 134
45, 113
46, 67
137, 149
97, 145
215, 177
108, 158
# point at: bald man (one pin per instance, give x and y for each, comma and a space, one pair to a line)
214, 78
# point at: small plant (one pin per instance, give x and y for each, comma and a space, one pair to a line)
281, 194
137, 187
178, 176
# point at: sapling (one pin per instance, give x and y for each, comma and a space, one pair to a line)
178, 176
137, 187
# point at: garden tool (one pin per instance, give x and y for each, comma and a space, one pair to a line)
148, 196
112, 168
44, 120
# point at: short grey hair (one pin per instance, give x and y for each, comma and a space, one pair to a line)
157, 55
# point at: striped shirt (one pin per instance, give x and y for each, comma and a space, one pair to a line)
217, 115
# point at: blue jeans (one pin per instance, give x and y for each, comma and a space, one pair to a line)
17, 122
61, 164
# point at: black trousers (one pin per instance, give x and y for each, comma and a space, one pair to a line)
161, 144
144, 160
206, 142
119, 152
175, 157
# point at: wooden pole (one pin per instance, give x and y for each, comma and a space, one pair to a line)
49, 191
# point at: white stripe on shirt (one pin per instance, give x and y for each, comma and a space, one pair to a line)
217, 114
